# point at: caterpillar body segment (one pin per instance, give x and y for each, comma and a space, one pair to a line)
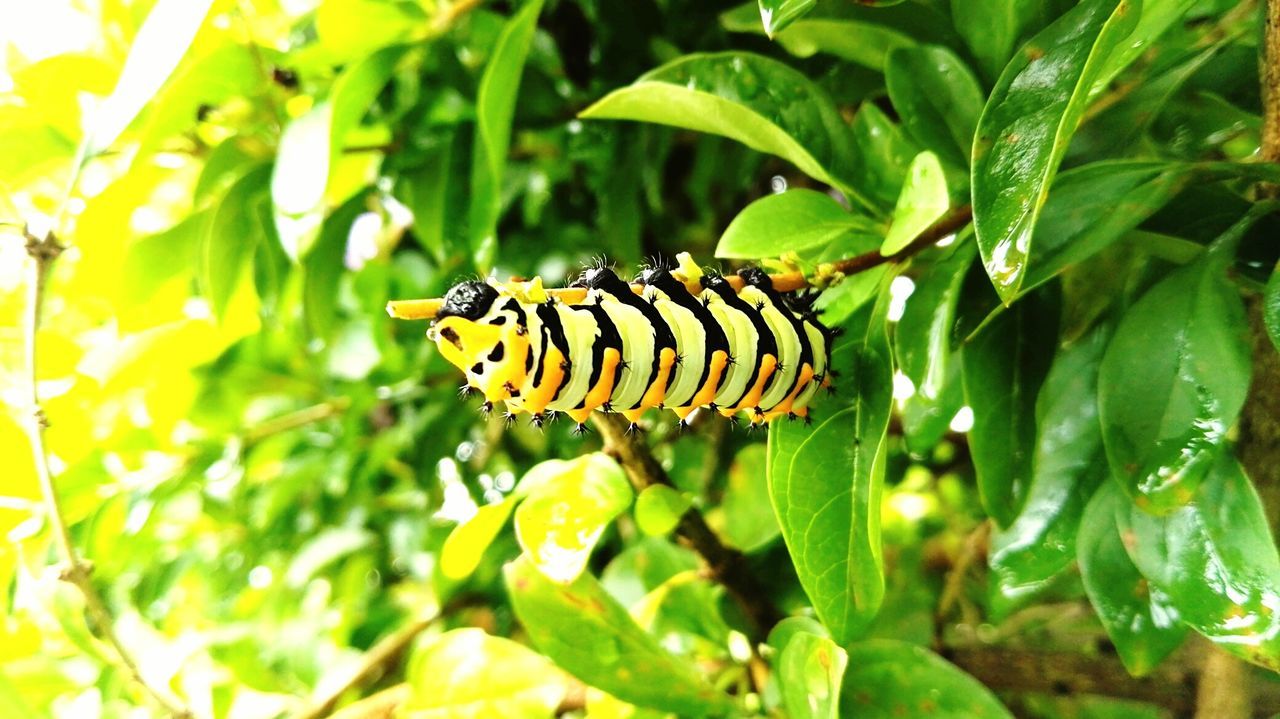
752, 351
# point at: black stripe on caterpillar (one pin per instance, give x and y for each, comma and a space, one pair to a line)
752, 350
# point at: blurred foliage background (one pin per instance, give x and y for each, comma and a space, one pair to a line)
286, 507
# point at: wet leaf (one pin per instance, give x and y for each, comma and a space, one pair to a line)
790, 221
1068, 465
1174, 379
659, 508
890, 679
922, 201
232, 237
1139, 618
810, 668
1026, 125
587, 633
495, 109
922, 337
759, 102
157, 49
1157, 17
777, 14
467, 673
937, 97
1005, 364
883, 153
561, 519
826, 480
1215, 560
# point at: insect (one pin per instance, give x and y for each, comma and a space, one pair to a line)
680, 339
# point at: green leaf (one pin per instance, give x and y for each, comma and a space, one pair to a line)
777, 14
1068, 465
1005, 364
1156, 18
744, 517
883, 154
810, 669
922, 337
863, 33
923, 200
233, 235
311, 144
561, 519
826, 480
349, 30
659, 508
466, 544
1215, 560
157, 49
891, 679
790, 221
1139, 619
585, 631
467, 673
495, 110
329, 546
1026, 125
937, 97
1271, 307
759, 102
993, 28
322, 269
1174, 379
211, 79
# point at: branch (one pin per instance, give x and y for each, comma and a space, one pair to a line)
1223, 691
948, 225
726, 565
43, 252
372, 664
1271, 84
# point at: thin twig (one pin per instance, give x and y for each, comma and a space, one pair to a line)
975, 545
373, 663
726, 565
295, 420
948, 225
43, 252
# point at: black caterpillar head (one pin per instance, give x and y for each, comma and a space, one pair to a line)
468, 300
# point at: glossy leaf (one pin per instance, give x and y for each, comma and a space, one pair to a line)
889, 679
1005, 364
1157, 17
1026, 125
777, 14
937, 97
495, 109
587, 633
1139, 618
790, 221
883, 153
311, 143
826, 480
233, 235
561, 519
1186, 341
759, 102
994, 28
157, 49
658, 509
922, 337
922, 201
467, 673
810, 669
1068, 465
1215, 560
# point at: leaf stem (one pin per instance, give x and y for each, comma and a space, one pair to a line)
43, 251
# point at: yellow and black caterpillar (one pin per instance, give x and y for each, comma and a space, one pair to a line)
687, 340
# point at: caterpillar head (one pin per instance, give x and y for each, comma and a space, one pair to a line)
480, 335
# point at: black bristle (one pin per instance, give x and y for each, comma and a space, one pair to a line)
632, 428
487, 407
580, 429
466, 391
509, 418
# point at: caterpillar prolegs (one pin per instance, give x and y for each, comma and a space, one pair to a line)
686, 340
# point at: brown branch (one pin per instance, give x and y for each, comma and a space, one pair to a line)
1223, 690
374, 662
1271, 83
948, 225
726, 565
43, 251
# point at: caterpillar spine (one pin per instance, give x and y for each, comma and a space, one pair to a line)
752, 351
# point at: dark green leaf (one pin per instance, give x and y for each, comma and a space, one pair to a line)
883, 154
1174, 379
777, 14
1005, 364
585, 631
323, 268
826, 480
1271, 307
1157, 17
495, 109
922, 338
233, 235
759, 102
1026, 125
1068, 465
791, 221
937, 97
993, 28
1215, 560
889, 679
1138, 617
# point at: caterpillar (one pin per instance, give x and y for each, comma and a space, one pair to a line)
681, 340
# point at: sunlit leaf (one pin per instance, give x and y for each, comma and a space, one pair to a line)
467, 543
937, 97
233, 235
1139, 618
922, 201
353, 29
889, 679
810, 669
826, 480
790, 221
467, 673
1026, 125
659, 508
322, 550
323, 267
585, 631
